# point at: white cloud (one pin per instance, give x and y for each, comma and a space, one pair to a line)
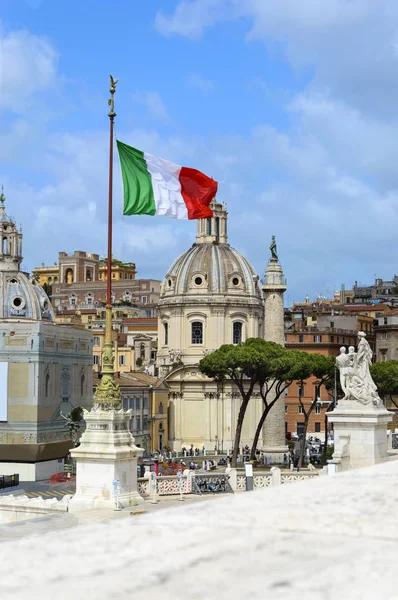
196, 80
192, 17
154, 104
28, 65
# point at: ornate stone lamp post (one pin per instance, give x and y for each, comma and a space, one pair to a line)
107, 453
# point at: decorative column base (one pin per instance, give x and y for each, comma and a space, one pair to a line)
274, 454
107, 453
360, 434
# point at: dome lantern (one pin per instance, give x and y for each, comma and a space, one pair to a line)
213, 229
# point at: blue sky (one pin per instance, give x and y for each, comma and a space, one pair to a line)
290, 105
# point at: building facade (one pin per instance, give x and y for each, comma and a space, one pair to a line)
80, 283
326, 337
210, 296
45, 369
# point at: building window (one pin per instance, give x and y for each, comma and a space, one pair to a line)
317, 409
332, 338
143, 299
317, 338
138, 419
145, 403
317, 427
237, 332
301, 338
145, 423
208, 226
142, 351
96, 359
138, 403
384, 335
160, 408
385, 320
197, 332
332, 324
132, 403
301, 410
218, 229
122, 360
166, 333
300, 391
96, 340
65, 384
47, 384
286, 409
300, 429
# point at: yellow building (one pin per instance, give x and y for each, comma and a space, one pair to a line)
46, 275
82, 266
124, 355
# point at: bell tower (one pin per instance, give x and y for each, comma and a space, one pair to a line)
11, 241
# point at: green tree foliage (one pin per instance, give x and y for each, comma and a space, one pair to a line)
245, 364
288, 366
385, 376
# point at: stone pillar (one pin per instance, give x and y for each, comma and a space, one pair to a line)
107, 453
274, 286
360, 434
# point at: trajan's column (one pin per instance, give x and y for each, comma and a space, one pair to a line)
274, 286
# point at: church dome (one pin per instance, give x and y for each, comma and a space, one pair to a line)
20, 298
211, 266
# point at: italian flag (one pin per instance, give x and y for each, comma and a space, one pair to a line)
154, 186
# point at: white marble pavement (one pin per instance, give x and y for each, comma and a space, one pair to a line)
328, 538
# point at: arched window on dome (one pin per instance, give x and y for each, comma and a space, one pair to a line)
236, 332
197, 332
4, 247
166, 333
217, 229
208, 226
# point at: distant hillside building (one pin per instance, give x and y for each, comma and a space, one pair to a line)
45, 369
380, 291
79, 282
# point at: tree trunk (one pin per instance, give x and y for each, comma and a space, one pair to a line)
258, 432
238, 432
304, 440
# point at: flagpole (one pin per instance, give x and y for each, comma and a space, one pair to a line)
107, 394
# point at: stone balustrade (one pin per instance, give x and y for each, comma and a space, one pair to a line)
167, 485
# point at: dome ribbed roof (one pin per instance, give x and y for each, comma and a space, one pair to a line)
210, 268
21, 298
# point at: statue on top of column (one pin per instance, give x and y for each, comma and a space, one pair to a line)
274, 253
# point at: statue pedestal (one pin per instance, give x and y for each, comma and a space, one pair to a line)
360, 434
106, 454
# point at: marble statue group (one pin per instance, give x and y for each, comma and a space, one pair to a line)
355, 378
